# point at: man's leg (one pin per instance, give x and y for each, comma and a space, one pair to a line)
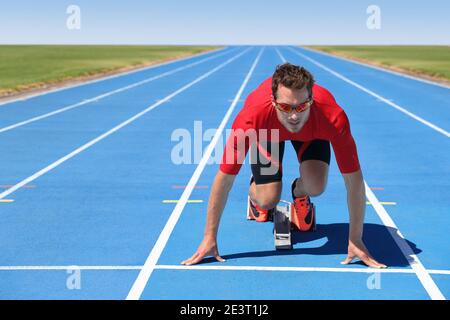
314, 159
313, 178
266, 195
265, 189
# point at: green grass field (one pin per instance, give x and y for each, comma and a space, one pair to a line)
432, 61
23, 67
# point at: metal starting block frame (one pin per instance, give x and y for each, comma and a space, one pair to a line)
282, 225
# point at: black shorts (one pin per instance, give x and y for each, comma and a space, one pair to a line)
267, 167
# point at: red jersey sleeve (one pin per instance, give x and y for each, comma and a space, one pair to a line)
238, 143
344, 145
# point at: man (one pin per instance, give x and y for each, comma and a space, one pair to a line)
289, 106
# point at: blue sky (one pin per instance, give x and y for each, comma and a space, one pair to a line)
225, 22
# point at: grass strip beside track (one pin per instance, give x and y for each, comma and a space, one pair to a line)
27, 67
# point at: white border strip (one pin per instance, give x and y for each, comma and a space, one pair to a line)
116, 128
151, 261
423, 275
378, 68
110, 93
390, 103
222, 268
24, 98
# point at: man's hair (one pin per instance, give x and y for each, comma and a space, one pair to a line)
292, 77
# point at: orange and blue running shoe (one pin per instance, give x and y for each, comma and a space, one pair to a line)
255, 212
304, 215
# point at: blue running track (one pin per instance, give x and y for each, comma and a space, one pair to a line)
86, 175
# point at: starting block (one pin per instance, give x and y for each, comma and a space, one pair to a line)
284, 220
282, 225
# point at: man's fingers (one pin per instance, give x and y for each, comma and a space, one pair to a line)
348, 259
376, 264
201, 253
188, 262
197, 259
361, 252
185, 262
371, 262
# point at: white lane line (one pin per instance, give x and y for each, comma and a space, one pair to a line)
221, 268
120, 74
283, 269
44, 268
176, 201
110, 93
378, 68
388, 102
295, 269
116, 128
280, 55
431, 271
151, 261
414, 261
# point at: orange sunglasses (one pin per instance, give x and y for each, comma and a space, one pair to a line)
284, 107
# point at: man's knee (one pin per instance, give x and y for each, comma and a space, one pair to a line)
267, 197
268, 202
314, 175
316, 189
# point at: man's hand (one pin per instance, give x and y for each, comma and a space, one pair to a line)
356, 200
357, 249
208, 247
217, 200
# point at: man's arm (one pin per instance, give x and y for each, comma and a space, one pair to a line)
356, 200
218, 197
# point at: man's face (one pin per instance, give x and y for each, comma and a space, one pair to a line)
292, 121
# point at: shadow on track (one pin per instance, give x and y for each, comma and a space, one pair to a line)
376, 237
